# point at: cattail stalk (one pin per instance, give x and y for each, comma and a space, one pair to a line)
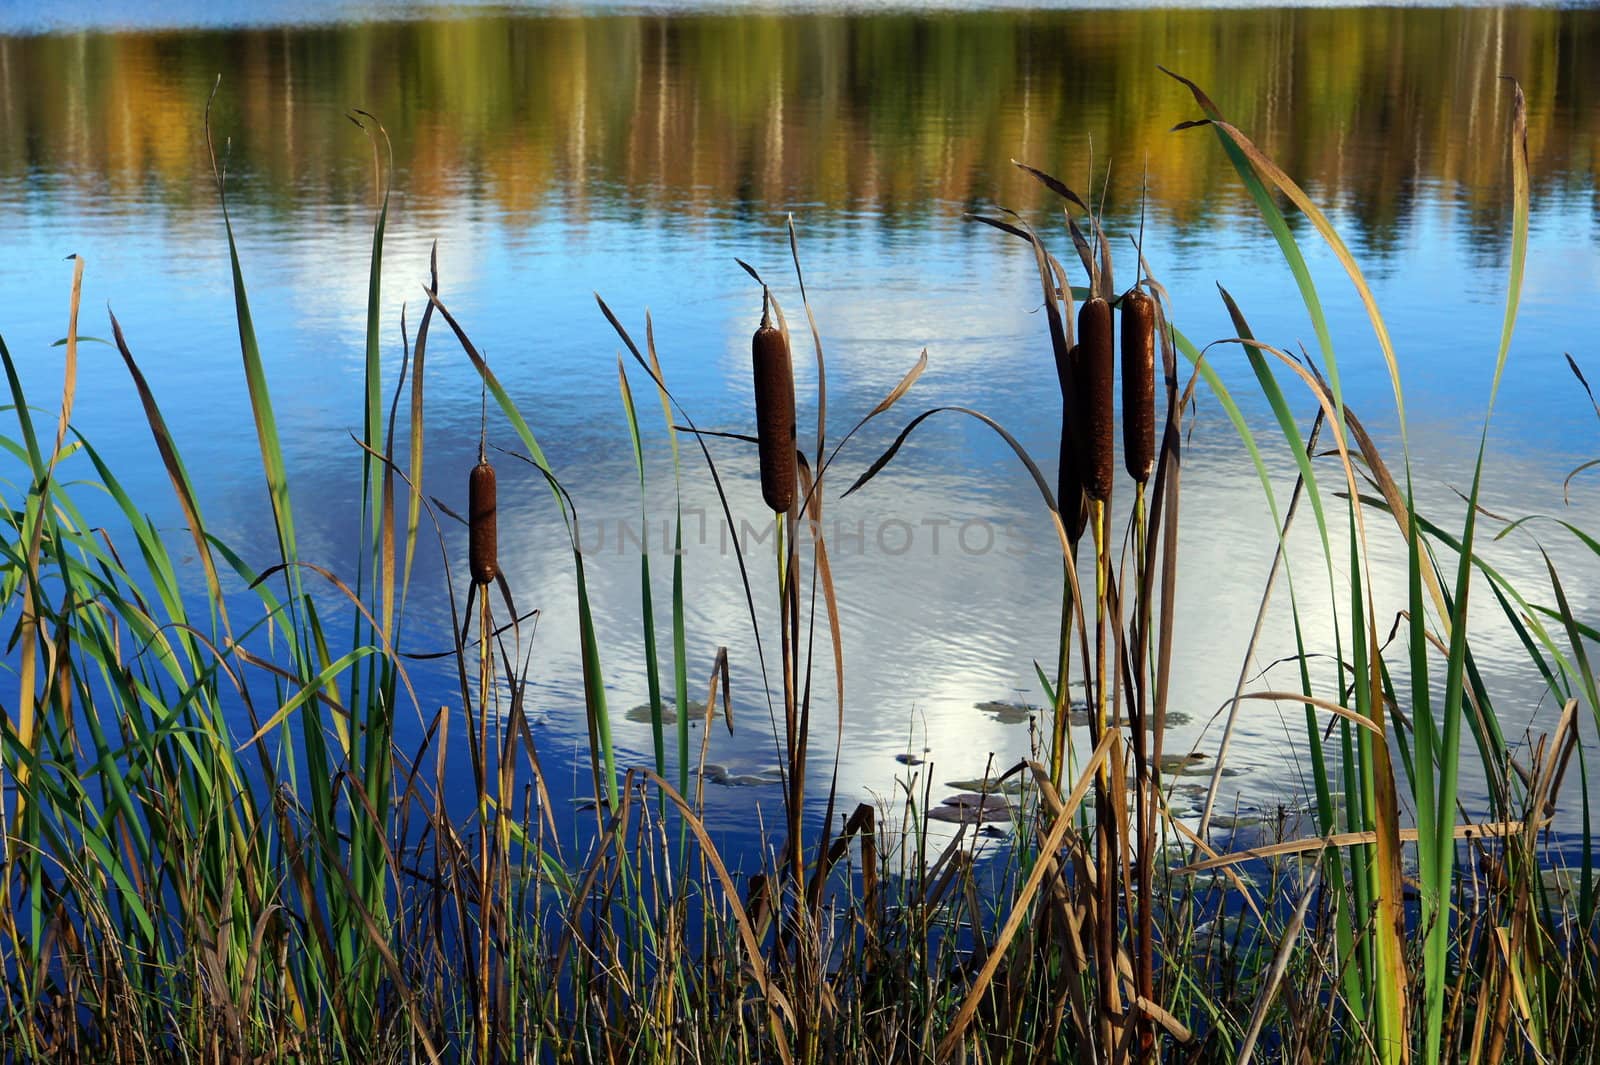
774, 382
482, 535
1074, 511
775, 439
1138, 456
483, 563
1138, 385
1069, 481
1096, 381
1096, 378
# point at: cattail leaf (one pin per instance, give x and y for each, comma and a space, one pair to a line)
951, 1043
314, 688
1099, 274
1566, 482
1290, 429
1480, 831
1390, 921
901, 387
1017, 231
182, 487
1016, 447
646, 595
717, 434
69, 370
386, 517
256, 384
1571, 365
333, 581
1085, 254
816, 341
416, 425
825, 577
895, 394
711, 466
372, 503
594, 681
1276, 223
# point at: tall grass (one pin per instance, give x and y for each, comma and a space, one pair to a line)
215, 848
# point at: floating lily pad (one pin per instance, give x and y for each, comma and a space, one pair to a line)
731, 778
972, 808
976, 801
1179, 764
908, 759
1008, 713
1241, 819
966, 815
1079, 715
1309, 805
1011, 786
669, 712
744, 780
1208, 879
1173, 854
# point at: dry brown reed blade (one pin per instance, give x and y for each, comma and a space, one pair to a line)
1096, 374
774, 385
951, 1042
1138, 385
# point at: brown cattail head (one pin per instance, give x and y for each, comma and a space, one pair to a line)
1069, 485
774, 375
1095, 380
1138, 385
482, 539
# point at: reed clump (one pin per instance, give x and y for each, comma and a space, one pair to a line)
309, 888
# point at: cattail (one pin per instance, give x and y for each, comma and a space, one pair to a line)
769, 354
482, 540
1069, 486
1096, 375
1138, 385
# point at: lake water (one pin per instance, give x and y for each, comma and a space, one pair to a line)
554, 154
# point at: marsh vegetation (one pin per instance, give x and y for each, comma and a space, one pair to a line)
219, 844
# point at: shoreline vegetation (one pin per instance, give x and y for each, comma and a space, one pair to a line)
906, 114
215, 848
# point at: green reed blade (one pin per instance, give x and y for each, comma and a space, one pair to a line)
646, 596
